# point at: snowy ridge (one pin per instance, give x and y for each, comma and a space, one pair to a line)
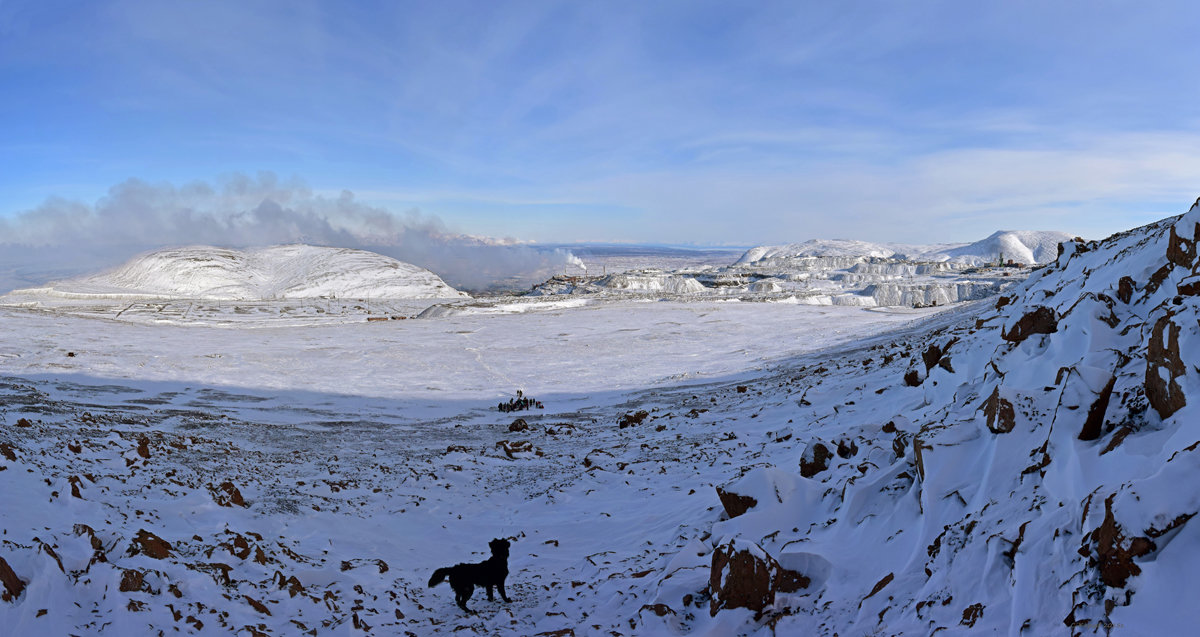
279, 272
1031, 471
1029, 247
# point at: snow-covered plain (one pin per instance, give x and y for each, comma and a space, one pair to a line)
1018, 465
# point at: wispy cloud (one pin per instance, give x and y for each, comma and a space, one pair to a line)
701, 120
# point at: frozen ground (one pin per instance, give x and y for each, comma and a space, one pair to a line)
476, 351
366, 444
1021, 465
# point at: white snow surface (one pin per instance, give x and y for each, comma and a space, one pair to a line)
1020, 465
1023, 246
277, 272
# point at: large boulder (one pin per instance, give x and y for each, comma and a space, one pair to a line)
743, 575
1163, 366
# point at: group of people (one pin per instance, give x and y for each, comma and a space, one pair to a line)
520, 403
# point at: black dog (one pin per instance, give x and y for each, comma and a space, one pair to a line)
465, 577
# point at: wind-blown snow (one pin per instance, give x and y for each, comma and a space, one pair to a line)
279, 272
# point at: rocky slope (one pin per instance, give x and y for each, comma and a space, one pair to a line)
1033, 472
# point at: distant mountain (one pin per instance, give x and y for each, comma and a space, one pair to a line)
278, 272
1027, 247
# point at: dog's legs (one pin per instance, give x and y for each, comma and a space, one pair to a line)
489, 590
500, 588
462, 594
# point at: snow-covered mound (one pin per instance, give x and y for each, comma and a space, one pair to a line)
1028, 247
823, 248
1020, 246
279, 272
1033, 471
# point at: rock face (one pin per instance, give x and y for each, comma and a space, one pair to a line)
746, 577
1000, 415
1163, 367
151, 545
1041, 320
735, 504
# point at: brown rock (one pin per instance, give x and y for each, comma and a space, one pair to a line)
931, 356
132, 581
22, 422
1001, 418
880, 585
227, 495
143, 448
900, 444
1125, 289
257, 605
1042, 320
1157, 278
662, 610
151, 545
971, 614
1189, 286
13, 585
748, 578
1180, 251
631, 419
518, 425
735, 504
912, 378
815, 460
517, 446
1092, 426
7, 452
1112, 553
75, 481
1163, 366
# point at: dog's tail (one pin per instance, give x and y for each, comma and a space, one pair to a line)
438, 576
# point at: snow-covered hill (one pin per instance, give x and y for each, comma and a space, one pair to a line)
278, 272
1028, 247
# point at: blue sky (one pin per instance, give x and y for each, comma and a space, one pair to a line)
734, 123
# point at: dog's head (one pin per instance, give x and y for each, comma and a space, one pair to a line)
499, 547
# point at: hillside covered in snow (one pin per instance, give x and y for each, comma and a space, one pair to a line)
1031, 472
273, 273
1021, 464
